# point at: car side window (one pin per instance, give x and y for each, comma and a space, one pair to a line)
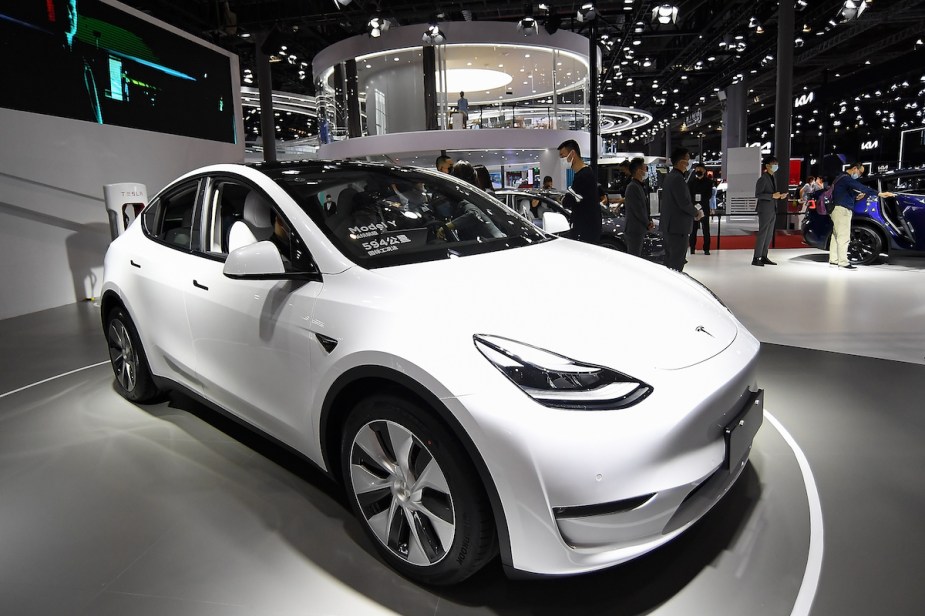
230, 202
171, 217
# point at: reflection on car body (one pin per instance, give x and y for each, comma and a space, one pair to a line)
612, 226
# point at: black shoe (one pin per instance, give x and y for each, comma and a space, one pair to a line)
767, 261
706, 252
849, 266
758, 262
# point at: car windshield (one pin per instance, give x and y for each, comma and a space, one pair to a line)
379, 217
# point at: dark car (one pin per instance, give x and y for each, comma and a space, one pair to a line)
612, 227
891, 225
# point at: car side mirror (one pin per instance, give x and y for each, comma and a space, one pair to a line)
255, 262
554, 222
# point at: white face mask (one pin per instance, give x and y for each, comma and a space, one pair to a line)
774, 168
855, 175
565, 160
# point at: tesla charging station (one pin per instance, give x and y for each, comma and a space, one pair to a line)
124, 202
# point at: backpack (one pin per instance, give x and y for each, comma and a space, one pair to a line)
824, 200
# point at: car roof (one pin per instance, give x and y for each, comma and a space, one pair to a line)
318, 165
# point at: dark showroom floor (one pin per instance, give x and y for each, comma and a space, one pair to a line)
108, 507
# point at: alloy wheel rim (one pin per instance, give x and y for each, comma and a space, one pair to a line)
402, 493
861, 245
123, 356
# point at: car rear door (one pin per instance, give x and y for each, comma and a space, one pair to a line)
155, 294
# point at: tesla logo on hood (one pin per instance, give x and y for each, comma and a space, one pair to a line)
701, 328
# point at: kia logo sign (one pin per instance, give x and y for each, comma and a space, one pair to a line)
764, 147
870, 145
804, 99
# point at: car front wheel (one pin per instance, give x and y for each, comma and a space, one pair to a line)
413, 488
129, 363
865, 245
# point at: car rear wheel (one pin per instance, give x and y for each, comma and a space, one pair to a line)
129, 363
413, 488
865, 245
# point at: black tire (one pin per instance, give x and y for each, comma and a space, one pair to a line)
429, 482
129, 362
865, 245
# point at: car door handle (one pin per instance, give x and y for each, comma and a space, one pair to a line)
134, 264
199, 286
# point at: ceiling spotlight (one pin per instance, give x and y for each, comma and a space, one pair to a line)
853, 9
376, 26
665, 14
340, 3
587, 12
798, 42
528, 25
433, 35
807, 29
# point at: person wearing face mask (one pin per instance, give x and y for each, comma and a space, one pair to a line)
636, 206
583, 195
846, 191
677, 211
701, 188
767, 194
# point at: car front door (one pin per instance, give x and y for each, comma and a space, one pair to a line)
252, 337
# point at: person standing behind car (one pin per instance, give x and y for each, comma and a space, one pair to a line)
806, 190
677, 211
766, 192
846, 190
701, 188
587, 219
636, 207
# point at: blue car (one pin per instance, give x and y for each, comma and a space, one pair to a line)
893, 225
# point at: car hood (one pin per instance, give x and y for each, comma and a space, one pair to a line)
585, 302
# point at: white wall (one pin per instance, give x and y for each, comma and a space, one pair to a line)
53, 226
403, 87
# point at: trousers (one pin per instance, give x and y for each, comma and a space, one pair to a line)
841, 235
766, 215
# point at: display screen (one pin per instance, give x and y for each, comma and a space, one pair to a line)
88, 60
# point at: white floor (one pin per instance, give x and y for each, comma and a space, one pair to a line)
874, 311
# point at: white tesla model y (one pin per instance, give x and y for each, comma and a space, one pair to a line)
443, 358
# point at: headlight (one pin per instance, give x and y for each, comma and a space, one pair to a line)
559, 382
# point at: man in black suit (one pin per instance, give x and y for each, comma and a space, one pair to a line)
636, 207
701, 188
677, 211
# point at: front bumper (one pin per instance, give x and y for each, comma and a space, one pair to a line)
650, 517
584, 490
